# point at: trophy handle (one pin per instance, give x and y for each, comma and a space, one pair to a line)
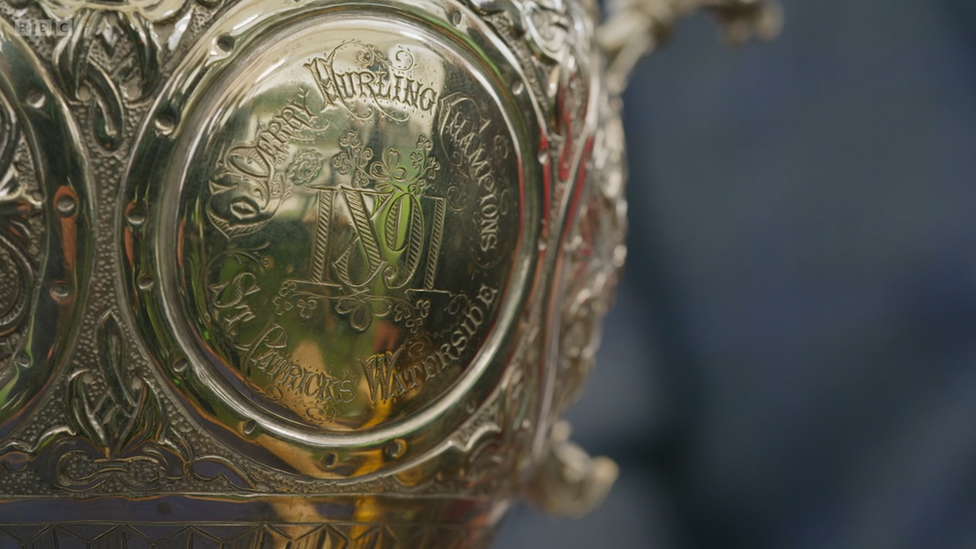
635, 28
569, 483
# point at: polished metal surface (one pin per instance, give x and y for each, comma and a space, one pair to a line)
314, 272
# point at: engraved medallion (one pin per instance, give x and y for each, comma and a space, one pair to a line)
349, 240
340, 230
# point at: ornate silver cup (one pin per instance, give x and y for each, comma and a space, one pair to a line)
305, 273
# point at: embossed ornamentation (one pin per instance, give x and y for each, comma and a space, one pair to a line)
114, 55
596, 252
118, 437
120, 423
17, 206
547, 26
545, 22
556, 62
18, 273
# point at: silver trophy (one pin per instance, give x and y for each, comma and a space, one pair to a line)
307, 273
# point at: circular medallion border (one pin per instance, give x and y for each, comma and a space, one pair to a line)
162, 234
56, 287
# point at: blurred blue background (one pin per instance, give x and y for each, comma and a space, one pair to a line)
792, 359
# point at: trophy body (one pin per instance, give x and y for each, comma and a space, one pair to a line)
294, 271
316, 273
